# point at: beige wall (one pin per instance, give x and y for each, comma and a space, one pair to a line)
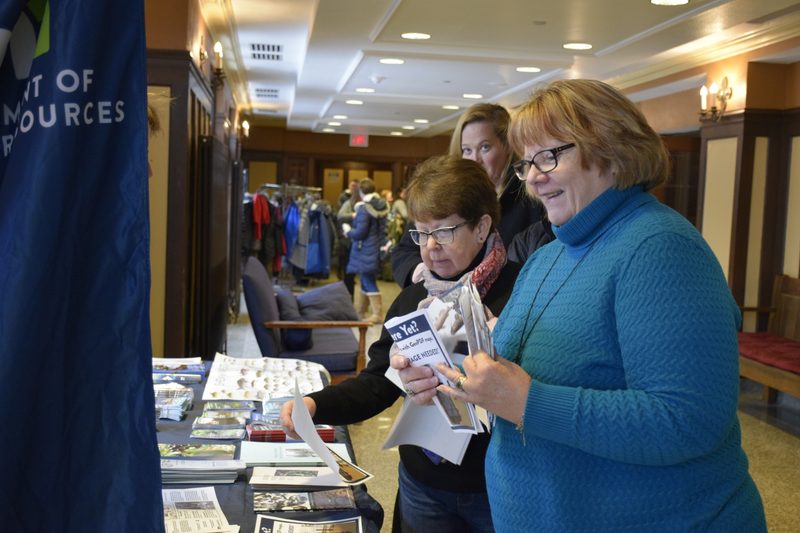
754, 240
791, 258
261, 172
158, 156
718, 198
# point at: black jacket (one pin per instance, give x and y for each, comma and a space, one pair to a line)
370, 393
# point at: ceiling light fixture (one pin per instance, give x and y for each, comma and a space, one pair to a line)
397, 133
451, 107
409, 128
414, 36
391, 61
528, 69
669, 2
334, 123
329, 130
421, 120
353, 102
578, 46
365, 90
472, 96
340, 117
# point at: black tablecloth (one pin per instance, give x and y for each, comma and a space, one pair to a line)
236, 499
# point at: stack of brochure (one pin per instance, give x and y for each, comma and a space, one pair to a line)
178, 370
196, 451
200, 471
173, 400
272, 431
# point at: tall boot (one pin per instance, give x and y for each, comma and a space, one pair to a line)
362, 303
376, 302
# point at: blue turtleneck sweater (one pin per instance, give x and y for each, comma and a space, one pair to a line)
628, 330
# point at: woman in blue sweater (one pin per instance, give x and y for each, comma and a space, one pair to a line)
616, 394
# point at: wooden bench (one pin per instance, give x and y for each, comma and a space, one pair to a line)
772, 358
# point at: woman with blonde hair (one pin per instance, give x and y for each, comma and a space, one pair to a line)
481, 135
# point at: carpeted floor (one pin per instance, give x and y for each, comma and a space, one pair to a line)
770, 436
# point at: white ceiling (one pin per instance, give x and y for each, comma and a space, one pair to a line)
316, 54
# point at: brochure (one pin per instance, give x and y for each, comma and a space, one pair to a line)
321, 500
285, 453
194, 510
237, 378
304, 427
416, 338
275, 524
196, 451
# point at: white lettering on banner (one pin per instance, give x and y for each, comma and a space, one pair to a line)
49, 114
7, 139
74, 80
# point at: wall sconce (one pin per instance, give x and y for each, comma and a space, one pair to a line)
218, 55
245, 129
202, 53
719, 96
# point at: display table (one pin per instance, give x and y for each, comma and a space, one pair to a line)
236, 499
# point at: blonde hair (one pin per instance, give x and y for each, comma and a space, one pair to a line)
493, 114
608, 129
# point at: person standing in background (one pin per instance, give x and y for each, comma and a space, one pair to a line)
347, 202
481, 135
367, 235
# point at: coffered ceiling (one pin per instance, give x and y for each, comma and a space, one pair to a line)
299, 62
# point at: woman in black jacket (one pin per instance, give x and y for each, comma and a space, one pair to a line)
481, 135
455, 210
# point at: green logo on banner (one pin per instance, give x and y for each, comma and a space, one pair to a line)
23, 42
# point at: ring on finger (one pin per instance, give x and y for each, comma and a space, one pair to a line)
460, 382
409, 392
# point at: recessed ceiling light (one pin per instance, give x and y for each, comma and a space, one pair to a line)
421, 120
528, 69
340, 117
578, 46
397, 133
391, 61
353, 102
473, 96
415, 36
334, 123
409, 128
669, 2
329, 130
451, 107
365, 90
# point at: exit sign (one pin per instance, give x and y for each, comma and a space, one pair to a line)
360, 140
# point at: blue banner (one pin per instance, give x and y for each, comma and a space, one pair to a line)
76, 394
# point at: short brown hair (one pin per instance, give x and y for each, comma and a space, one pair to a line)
607, 128
366, 186
447, 185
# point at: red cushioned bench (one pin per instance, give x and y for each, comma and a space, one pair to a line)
772, 358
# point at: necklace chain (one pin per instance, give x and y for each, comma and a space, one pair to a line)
529, 330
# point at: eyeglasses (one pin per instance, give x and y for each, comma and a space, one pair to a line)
544, 161
443, 235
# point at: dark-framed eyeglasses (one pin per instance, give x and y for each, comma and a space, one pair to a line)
544, 161
443, 235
